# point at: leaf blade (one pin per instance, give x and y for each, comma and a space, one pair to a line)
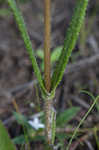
66, 116
69, 42
5, 142
22, 27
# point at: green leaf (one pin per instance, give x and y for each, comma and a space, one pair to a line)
81, 122
70, 41
56, 54
92, 97
22, 27
19, 140
66, 116
5, 141
88, 93
40, 54
21, 119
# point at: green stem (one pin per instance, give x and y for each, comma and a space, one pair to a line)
83, 119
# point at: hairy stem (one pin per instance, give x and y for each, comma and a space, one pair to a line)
47, 77
47, 44
48, 108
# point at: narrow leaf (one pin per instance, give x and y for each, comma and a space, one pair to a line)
40, 53
56, 54
22, 27
70, 41
66, 116
81, 122
5, 141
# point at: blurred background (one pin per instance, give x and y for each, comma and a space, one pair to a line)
17, 80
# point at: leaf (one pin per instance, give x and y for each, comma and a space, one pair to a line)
22, 27
21, 119
19, 140
66, 116
61, 136
69, 42
5, 141
92, 97
81, 122
88, 93
56, 54
40, 53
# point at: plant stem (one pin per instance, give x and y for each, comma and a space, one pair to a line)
47, 44
48, 108
47, 77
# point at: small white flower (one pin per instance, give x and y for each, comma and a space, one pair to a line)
36, 124
32, 105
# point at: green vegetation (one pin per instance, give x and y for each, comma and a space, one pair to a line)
48, 83
5, 142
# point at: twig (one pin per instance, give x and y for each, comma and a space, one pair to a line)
15, 105
80, 101
89, 145
82, 139
94, 45
82, 64
21, 87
